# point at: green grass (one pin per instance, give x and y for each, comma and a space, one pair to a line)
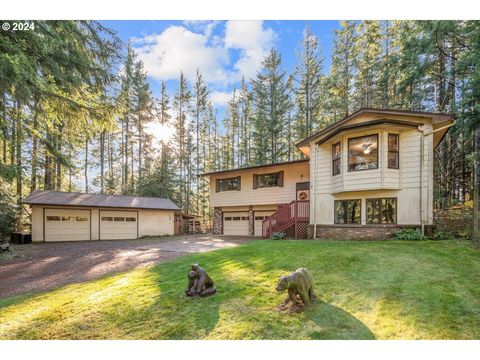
366, 290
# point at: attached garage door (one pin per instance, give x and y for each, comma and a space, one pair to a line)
118, 225
259, 217
67, 225
235, 223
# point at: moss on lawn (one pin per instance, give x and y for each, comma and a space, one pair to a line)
367, 290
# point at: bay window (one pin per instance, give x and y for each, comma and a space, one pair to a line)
363, 153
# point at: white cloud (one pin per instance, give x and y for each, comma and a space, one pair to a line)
220, 98
253, 40
195, 45
178, 48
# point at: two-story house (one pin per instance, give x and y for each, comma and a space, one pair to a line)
365, 176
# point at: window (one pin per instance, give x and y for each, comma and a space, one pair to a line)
228, 218
118, 218
393, 159
363, 153
229, 184
107, 218
336, 159
348, 211
131, 219
268, 180
68, 218
382, 211
259, 217
81, 218
53, 218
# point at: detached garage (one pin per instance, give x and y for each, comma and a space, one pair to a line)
63, 216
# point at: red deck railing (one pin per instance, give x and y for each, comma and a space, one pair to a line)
289, 215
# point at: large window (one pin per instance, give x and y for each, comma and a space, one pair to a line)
393, 146
348, 211
336, 159
268, 180
229, 184
363, 153
382, 211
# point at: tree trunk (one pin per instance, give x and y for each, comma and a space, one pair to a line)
19, 152
102, 161
34, 164
86, 165
476, 190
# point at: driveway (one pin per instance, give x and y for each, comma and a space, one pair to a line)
38, 267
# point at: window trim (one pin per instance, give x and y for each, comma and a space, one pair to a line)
339, 158
217, 183
393, 152
335, 212
382, 198
280, 179
348, 152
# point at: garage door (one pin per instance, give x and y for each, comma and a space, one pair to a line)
118, 225
67, 225
259, 217
235, 223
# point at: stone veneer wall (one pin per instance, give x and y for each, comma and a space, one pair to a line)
251, 221
217, 221
358, 232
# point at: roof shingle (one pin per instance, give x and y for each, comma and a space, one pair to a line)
48, 197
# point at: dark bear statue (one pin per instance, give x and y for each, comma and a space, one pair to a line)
199, 283
300, 289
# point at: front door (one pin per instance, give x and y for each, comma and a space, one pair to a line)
303, 190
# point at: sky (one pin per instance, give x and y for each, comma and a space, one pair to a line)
224, 51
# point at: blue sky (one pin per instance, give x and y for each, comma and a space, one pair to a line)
223, 50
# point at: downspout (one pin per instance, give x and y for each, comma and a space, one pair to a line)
314, 177
422, 151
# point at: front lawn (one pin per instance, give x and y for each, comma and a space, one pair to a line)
366, 290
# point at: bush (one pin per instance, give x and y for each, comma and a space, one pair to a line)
442, 235
409, 234
278, 236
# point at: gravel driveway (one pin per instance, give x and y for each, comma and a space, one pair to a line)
45, 266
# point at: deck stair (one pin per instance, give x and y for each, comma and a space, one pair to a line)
292, 219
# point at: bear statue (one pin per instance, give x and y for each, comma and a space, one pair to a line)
199, 283
300, 289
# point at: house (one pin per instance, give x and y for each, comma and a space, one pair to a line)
243, 198
366, 176
66, 216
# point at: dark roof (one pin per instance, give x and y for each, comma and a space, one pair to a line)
371, 110
367, 124
47, 197
254, 167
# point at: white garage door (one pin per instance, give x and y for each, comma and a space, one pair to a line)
67, 225
259, 217
235, 223
118, 225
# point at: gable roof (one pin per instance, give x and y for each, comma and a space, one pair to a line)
48, 197
339, 124
254, 167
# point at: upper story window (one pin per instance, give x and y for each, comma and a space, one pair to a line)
393, 151
363, 153
228, 184
268, 180
336, 152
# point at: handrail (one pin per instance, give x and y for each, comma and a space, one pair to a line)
286, 216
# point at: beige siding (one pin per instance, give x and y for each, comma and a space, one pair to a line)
293, 174
151, 222
155, 223
403, 183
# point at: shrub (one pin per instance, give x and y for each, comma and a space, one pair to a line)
278, 236
442, 235
409, 234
